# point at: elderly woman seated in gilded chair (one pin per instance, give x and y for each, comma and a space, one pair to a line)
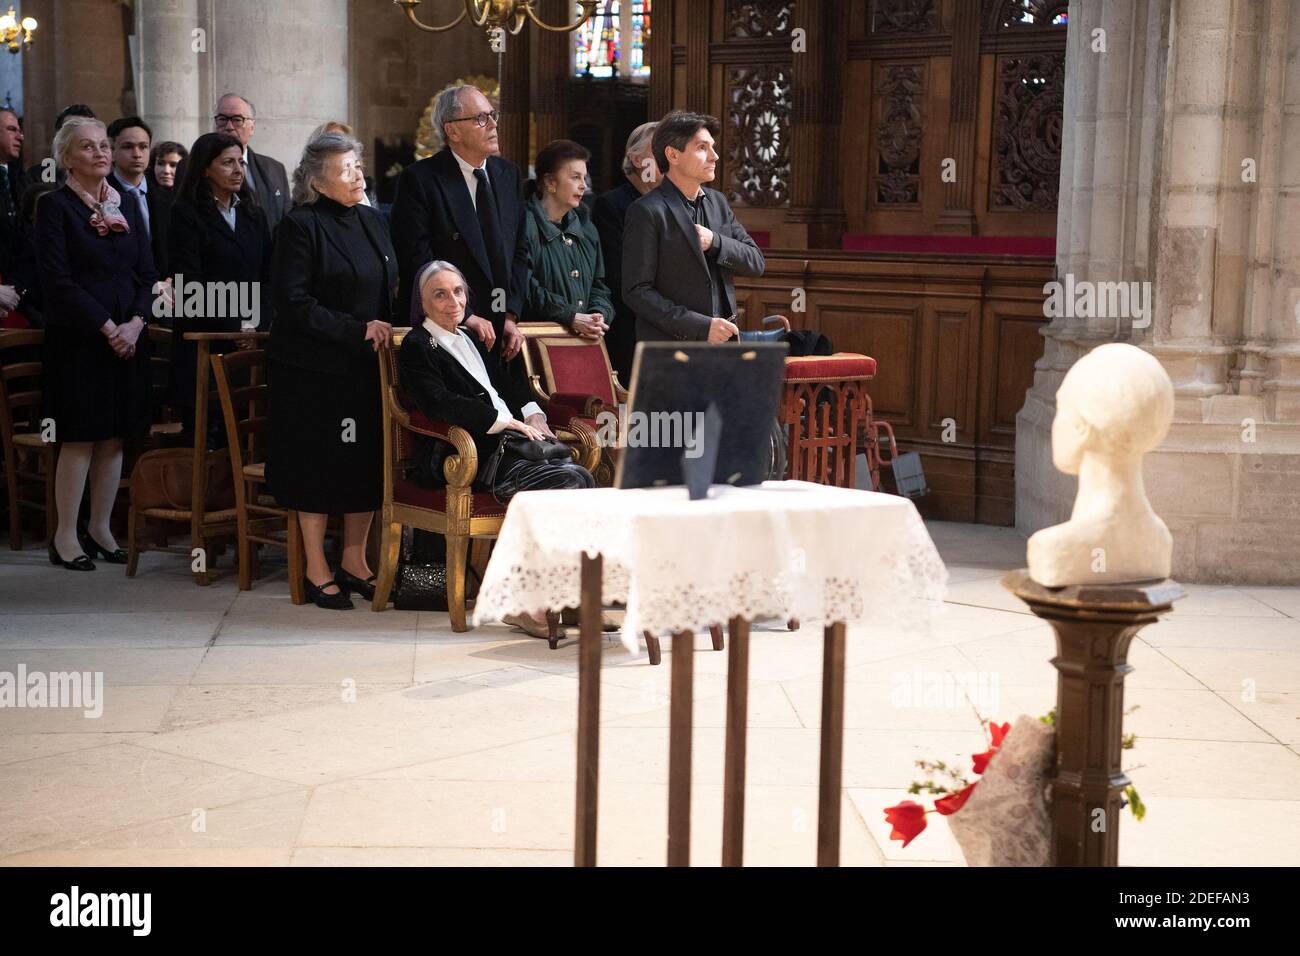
449, 377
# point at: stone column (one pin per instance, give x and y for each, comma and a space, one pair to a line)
289, 60
174, 67
1176, 170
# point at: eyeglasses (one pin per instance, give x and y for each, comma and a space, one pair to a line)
221, 119
481, 118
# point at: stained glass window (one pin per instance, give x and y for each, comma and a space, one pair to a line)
612, 42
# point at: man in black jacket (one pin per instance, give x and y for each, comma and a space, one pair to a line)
641, 175
682, 243
16, 269
465, 205
237, 117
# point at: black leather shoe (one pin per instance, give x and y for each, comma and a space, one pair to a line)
79, 563
331, 602
95, 550
350, 583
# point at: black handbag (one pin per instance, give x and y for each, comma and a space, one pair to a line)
521, 446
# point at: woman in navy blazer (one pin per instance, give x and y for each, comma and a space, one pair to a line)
97, 275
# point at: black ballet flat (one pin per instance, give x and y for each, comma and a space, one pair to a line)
96, 550
80, 563
330, 602
349, 583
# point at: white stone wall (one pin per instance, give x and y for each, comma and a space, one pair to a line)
289, 59
1156, 132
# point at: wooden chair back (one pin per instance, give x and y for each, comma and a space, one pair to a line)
20, 383
245, 404
558, 362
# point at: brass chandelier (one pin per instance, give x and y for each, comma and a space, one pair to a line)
506, 15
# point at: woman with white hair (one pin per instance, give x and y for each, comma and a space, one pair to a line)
97, 275
334, 276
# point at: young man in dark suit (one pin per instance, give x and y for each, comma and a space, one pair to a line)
132, 138
465, 205
682, 244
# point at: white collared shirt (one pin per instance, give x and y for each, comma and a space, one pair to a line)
464, 352
467, 171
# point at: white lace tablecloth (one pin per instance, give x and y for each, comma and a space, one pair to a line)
784, 549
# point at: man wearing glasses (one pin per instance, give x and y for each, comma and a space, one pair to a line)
264, 175
465, 205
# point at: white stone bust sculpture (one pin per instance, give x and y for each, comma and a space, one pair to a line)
1114, 405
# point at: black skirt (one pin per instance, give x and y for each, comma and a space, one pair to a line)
326, 445
90, 393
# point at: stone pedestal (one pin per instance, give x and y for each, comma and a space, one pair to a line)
1094, 627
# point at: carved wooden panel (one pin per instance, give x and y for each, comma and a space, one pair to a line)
758, 135
886, 333
1010, 345
904, 17
1026, 14
1030, 99
953, 363
898, 119
748, 19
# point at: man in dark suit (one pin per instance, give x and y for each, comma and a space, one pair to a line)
132, 138
16, 275
465, 205
641, 174
682, 243
236, 116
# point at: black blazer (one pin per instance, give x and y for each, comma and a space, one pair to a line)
159, 200
320, 317
439, 386
270, 186
204, 249
434, 218
609, 215
665, 277
88, 279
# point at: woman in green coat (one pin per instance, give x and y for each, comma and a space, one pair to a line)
566, 278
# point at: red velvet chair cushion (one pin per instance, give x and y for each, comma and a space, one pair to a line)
839, 365
485, 504
579, 369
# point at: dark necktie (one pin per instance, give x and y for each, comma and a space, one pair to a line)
486, 207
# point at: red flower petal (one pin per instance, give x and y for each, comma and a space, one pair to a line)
907, 820
954, 801
998, 733
982, 760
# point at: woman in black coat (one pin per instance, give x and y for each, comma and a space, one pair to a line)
206, 252
334, 279
97, 275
